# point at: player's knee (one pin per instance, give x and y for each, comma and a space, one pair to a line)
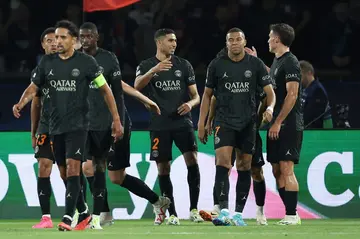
243, 162
163, 168
87, 168
45, 166
222, 160
276, 171
117, 177
72, 167
190, 158
99, 165
287, 168
257, 174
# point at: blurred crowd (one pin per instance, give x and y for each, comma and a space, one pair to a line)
326, 31
327, 37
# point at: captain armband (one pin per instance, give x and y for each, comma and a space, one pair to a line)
100, 81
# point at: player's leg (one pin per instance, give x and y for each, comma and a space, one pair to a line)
80, 213
186, 142
210, 215
118, 161
272, 149
259, 185
75, 148
87, 165
224, 141
99, 146
106, 218
161, 152
88, 172
246, 142
290, 151
243, 166
43, 153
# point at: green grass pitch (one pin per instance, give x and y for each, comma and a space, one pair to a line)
310, 229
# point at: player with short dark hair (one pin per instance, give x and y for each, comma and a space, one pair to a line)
40, 137
286, 132
257, 162
235, 79
100, 145
169, 80
68, 74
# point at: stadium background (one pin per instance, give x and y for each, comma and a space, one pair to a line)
329, 170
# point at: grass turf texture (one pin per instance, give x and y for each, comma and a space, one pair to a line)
314, 229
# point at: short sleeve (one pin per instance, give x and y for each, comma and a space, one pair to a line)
263, 78
115, 72
189, 74
141, 69
211, 81
292, 70
115, 79
38, 74
94, 69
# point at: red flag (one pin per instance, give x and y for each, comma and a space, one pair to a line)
105, 5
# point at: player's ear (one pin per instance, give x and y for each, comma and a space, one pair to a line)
74, 41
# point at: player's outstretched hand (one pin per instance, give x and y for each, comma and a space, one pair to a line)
184, 109
152, 106
251, 51
202, 134
16, 111
165, 65
117, 130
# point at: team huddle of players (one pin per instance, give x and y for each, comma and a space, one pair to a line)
79, 121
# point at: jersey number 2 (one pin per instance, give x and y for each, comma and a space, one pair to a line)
156, 142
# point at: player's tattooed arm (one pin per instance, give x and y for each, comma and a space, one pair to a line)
149, 104
35, 115
26, 97
211, 116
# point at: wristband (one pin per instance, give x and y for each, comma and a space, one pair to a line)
189, 105
269, 108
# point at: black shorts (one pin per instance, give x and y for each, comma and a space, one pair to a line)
161, 143
70, 145
243, 140
98, 144
43, 147
286, 148
119, 153
258, 158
